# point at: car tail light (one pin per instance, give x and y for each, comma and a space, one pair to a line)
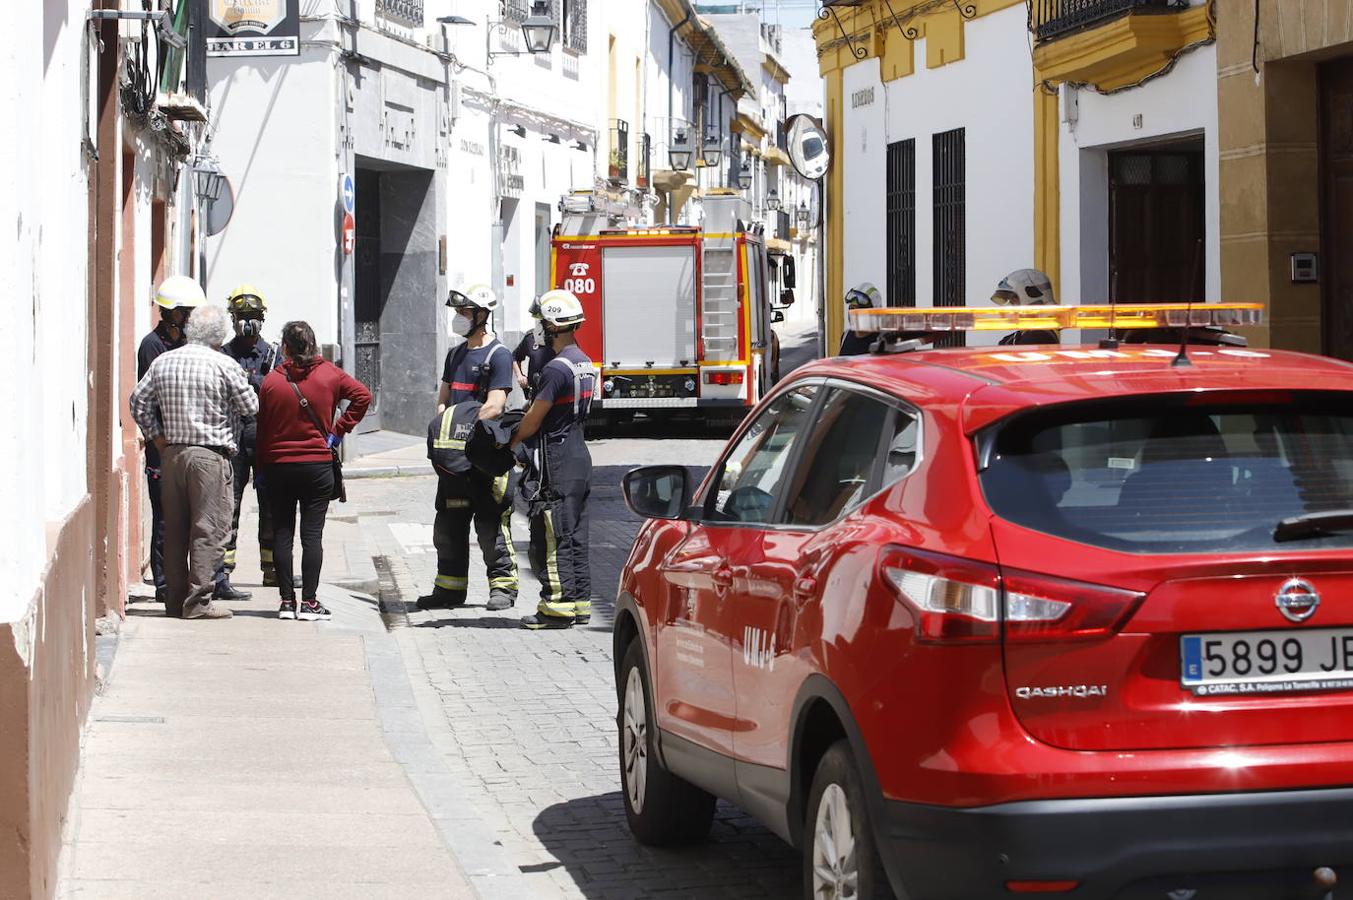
730, 377
1041, 887
1043, 608
955, 600
958, 600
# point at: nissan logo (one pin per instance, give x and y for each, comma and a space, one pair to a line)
1297, 599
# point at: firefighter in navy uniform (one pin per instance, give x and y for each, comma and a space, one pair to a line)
177, 297
531, 355
552, 431
256, 356
475, 383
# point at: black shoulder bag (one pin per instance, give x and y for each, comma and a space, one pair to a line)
340, 493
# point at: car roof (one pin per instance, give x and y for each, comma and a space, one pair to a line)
991, 382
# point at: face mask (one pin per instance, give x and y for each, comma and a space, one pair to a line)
538, 334
462, 325
248, 328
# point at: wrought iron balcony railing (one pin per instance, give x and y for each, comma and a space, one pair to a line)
405, 12
1050, 19
643, 174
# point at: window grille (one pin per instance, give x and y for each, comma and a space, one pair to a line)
902, 223
950, 231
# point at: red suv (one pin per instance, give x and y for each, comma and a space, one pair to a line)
974, 622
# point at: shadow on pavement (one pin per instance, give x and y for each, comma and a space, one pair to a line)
590, 837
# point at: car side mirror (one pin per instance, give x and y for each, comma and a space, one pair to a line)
776, 317
658, 492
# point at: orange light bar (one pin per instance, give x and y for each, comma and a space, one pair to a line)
1056, 318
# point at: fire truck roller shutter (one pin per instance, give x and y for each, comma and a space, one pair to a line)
650, 307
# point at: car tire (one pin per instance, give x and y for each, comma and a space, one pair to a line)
662, 808
840, 858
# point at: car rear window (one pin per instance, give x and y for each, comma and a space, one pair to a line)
1173, 474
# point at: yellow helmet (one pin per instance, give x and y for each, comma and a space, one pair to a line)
246, 299
179, 291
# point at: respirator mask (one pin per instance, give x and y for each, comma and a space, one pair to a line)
248, 328
462, 325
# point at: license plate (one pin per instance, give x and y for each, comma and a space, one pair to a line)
1266, 662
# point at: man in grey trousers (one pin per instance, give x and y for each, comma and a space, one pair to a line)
189, 405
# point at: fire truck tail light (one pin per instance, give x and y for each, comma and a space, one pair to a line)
955, 600
729, 377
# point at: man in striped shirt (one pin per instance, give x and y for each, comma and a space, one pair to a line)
189, 405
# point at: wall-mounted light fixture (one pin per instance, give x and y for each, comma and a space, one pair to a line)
713, 149
745, 175
773, 200
518, 130
580, 145
679, 150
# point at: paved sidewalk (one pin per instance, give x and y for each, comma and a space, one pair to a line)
257, 758
387, 454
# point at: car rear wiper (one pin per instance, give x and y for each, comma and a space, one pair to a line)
1331, 521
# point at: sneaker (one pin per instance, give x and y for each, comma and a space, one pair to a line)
501, 600
312, 611
287, 610
208, 611
227, 591
538, 622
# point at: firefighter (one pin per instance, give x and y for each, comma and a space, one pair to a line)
477, 373
552, 430
862, 296
177, 297
1026, 287
257, 357
532, 352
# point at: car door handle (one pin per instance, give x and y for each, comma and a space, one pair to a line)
805, 586
723, 578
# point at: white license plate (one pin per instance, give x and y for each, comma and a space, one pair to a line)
1263, 662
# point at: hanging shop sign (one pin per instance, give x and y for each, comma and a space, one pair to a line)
254, 28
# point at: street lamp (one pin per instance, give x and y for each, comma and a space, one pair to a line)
803, 213
773, 200
713, 150
539, 28
745, 175
679, 151
207, 178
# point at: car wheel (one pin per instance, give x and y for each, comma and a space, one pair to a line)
661, 808
840, 859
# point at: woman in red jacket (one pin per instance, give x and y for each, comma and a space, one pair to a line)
296, 458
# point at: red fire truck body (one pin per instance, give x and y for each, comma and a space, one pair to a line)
678, 317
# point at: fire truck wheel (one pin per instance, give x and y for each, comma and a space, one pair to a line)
662, 809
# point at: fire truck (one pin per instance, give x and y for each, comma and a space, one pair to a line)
678, 317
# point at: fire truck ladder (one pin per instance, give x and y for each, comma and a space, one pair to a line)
719, 298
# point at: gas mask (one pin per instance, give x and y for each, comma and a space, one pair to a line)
248, 328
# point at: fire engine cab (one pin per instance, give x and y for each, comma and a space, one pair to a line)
678, 316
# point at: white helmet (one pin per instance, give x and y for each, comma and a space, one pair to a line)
863, 296
180, 291
561, 309
480, 296
1024, 287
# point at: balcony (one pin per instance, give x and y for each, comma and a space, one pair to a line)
1111, 43
618, 164
1053, 18
408, 13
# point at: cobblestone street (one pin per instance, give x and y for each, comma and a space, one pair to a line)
525, 721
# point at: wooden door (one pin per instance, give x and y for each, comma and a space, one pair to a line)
1156, 225
1336, 163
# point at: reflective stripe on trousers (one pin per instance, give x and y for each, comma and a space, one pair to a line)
482, 502
559, 528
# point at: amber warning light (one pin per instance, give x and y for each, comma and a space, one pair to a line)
1016, 318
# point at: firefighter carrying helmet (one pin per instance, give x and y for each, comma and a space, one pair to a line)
479, 296
246, 299
1025, 287
863, 296
561, 310
180, 291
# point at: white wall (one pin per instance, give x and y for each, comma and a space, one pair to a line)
1180, 105
988, 93
275, 128
43, 203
